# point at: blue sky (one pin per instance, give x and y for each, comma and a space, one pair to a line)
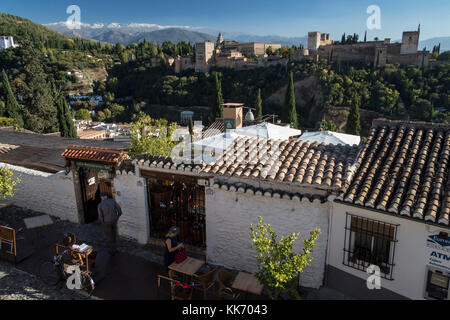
260, 17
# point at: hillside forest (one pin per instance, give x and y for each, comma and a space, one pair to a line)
38, 76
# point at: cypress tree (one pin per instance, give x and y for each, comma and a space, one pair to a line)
343, 40
61, 119
71, 130
2, 108
191, 129
12, 108
365, 37
354, 121
290, 108
217, 107
259, 113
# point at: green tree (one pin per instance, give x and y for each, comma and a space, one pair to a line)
191, 129
12, 107
107, 113
290, 107
423, 110
277, 263
40, 113
259, 111
7, 183
66, 119
83, 114
2, 108
152, 136
325, 125
101, 116
62, 121
217, 106
354, 121
116, 110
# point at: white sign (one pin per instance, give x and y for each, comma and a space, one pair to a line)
438, 251
91, 181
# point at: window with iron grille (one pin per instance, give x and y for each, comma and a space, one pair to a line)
370, 242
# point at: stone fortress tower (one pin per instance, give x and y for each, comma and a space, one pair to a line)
410, 42
317, 39
378, 52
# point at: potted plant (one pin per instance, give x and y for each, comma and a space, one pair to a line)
278, 264
182, 290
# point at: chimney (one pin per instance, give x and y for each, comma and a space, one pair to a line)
233, 114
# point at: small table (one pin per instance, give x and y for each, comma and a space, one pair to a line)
247, 283
81, 254
188, 267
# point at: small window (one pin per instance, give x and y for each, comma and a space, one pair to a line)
370, 242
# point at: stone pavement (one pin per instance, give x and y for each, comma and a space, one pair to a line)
19, 285
131, 274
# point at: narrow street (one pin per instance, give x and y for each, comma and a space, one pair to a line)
131, 274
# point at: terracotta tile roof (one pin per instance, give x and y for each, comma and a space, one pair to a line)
403, 169
167, 163
94, 154
299, 163
271, 193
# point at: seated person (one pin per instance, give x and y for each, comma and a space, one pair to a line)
68, 242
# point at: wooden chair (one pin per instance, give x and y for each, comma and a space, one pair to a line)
175, 293
225, 280
205, 281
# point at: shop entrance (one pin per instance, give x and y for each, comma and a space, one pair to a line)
92, 185
178, 203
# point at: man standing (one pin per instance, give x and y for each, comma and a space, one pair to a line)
109, 213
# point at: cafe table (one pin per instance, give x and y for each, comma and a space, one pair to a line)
247, 283
188, 267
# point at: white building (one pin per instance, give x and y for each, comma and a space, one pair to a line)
329, 137
382, 206
395, 215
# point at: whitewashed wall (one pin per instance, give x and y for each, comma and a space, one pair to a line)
48, 193
411, 253
228, 218
130, 195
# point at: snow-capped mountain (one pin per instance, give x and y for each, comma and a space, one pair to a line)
134, 32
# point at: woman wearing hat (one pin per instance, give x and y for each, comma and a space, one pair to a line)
171, 246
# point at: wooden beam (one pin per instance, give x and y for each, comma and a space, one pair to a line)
169, 176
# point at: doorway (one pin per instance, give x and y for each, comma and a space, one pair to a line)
92, 186
177, 203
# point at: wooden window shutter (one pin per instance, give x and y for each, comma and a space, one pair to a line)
373, 228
